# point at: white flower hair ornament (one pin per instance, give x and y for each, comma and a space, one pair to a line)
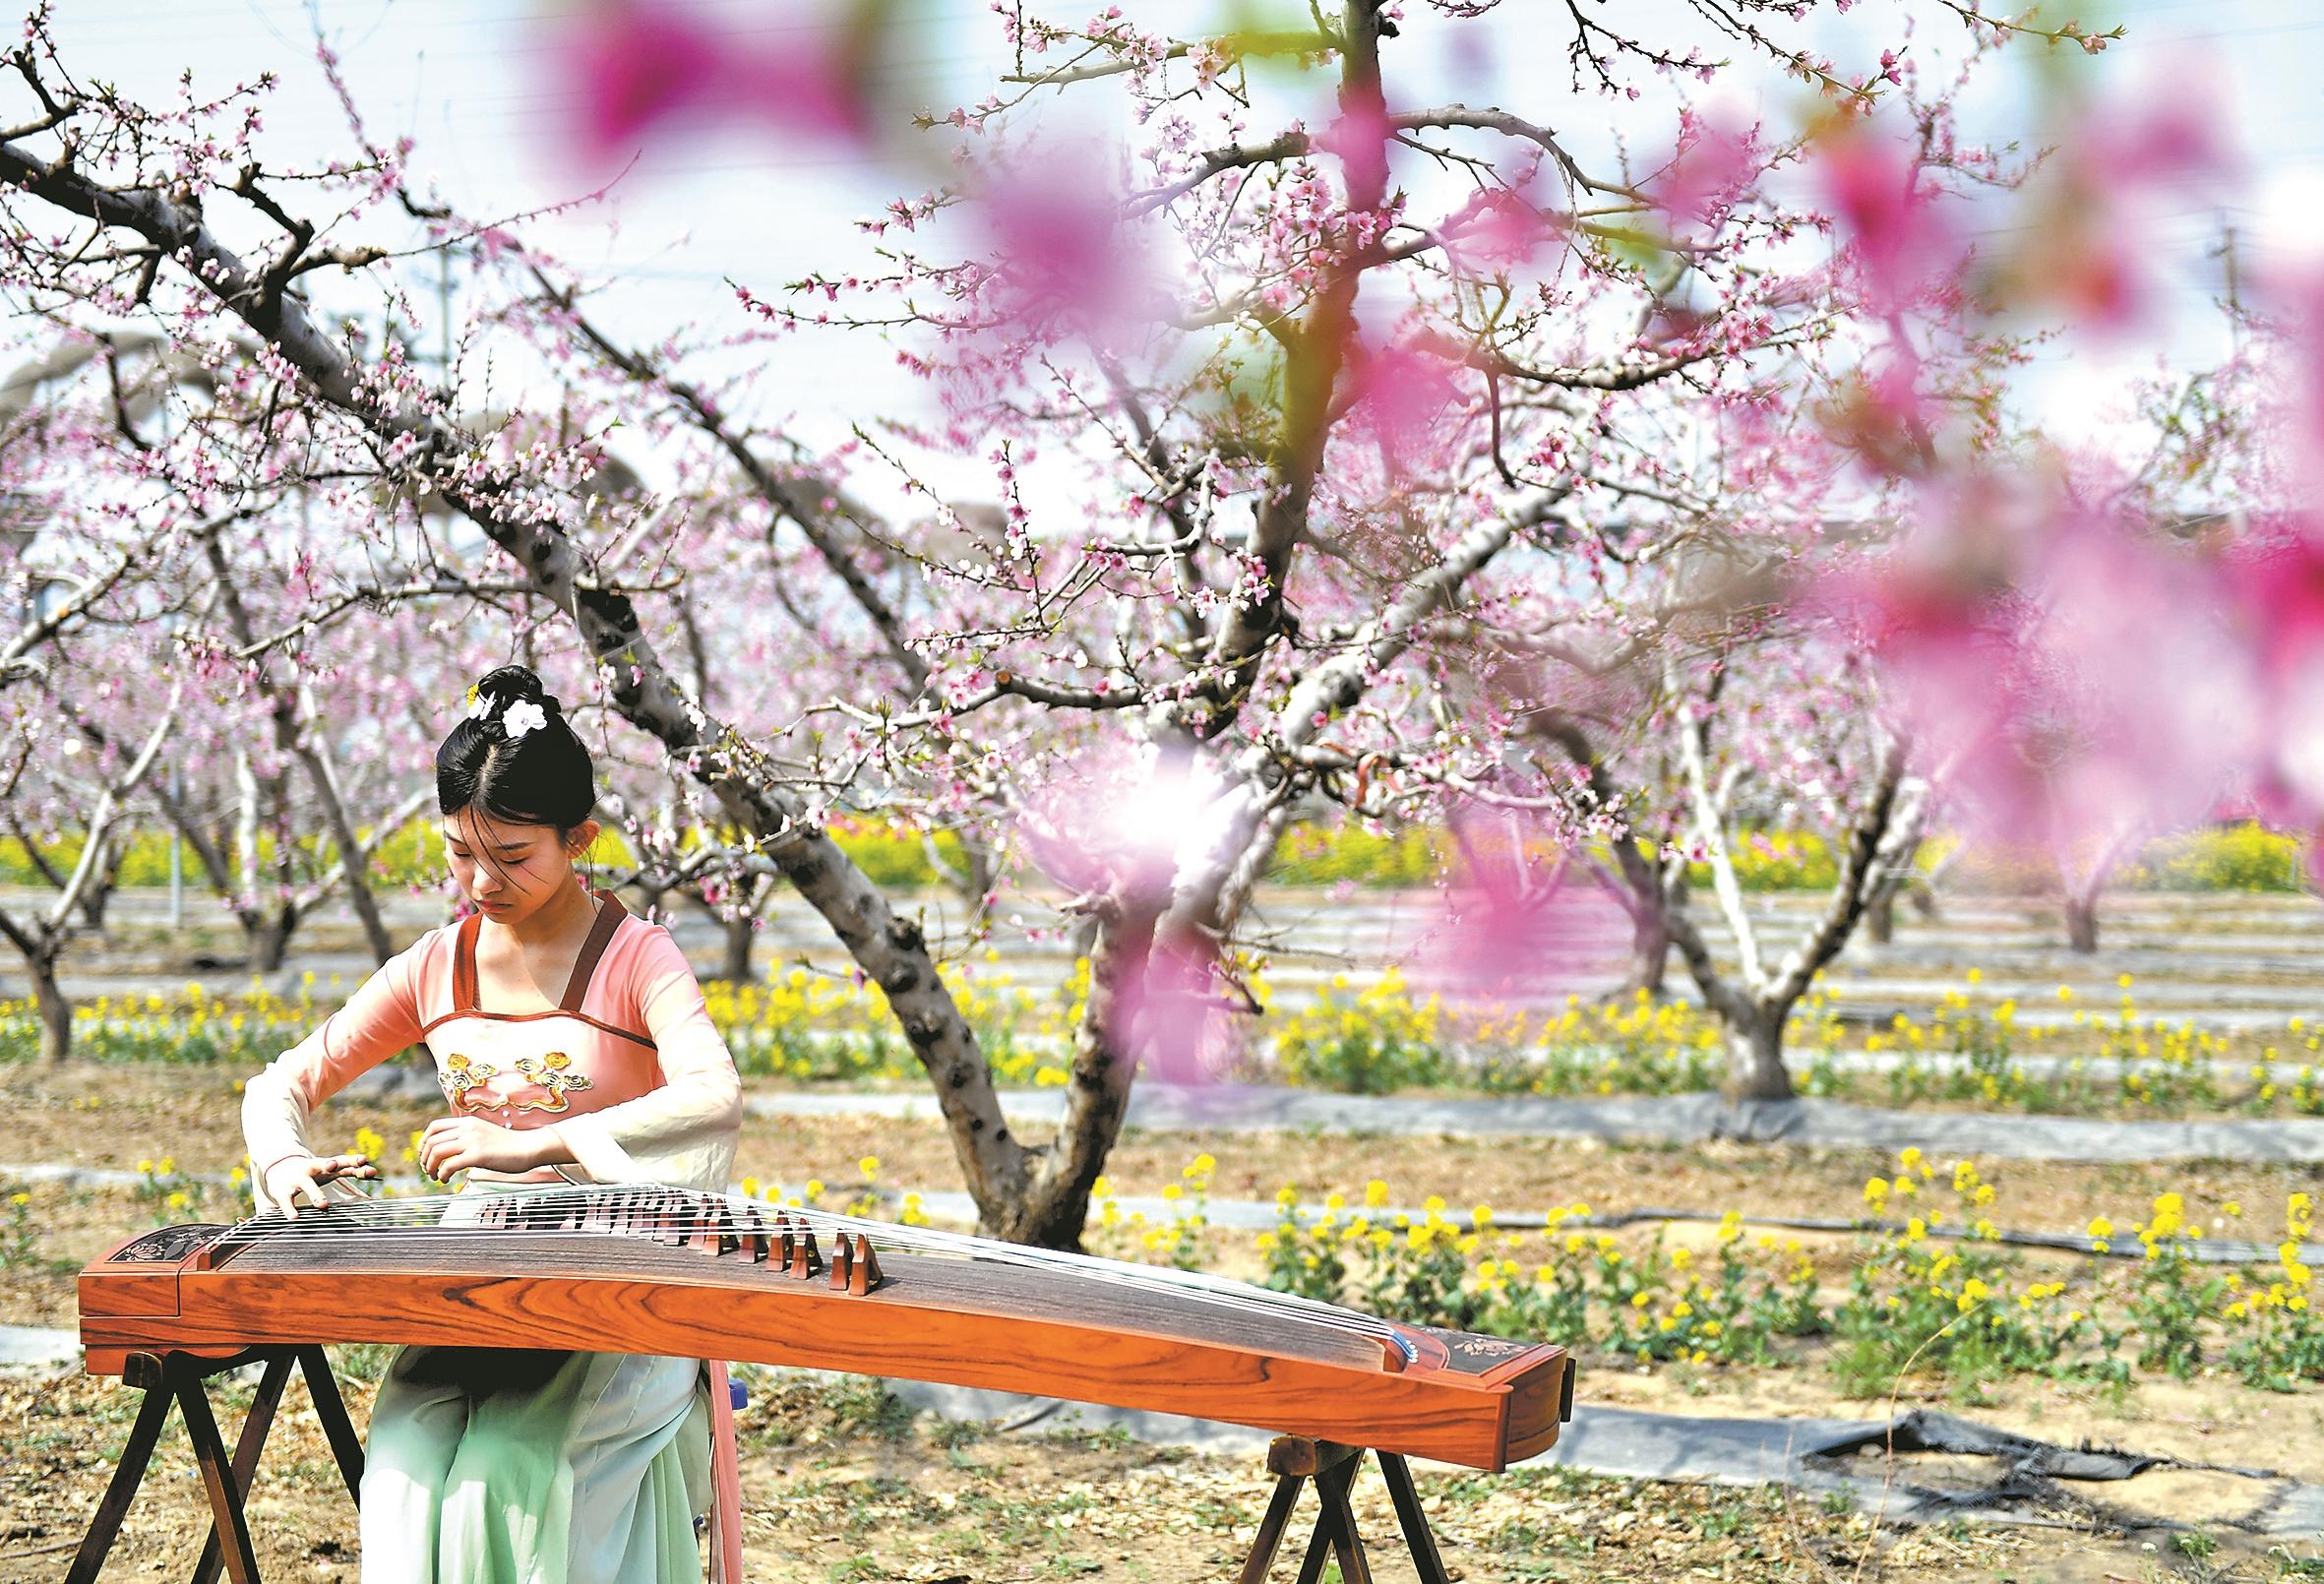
521, 716
479, 703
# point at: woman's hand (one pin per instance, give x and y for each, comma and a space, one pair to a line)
462, 1143
294, 1175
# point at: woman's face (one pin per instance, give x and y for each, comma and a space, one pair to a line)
509, 869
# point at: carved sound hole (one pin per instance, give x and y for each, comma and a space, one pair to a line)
168, 1244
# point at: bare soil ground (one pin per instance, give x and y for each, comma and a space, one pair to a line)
841, 1484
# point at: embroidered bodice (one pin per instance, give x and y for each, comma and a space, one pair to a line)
627, 1066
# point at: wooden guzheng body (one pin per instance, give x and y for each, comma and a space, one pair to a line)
690, 1275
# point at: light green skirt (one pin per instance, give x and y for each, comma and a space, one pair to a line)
479, 1475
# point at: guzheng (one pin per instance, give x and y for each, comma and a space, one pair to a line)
692, 1275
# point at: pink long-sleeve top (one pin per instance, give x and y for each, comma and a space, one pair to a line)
627, 1066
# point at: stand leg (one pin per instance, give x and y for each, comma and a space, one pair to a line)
1335, 1529
1296, 1459
128, 1473
246, 1450
218, 1474
1270, 1530
1417, 1538
332, 1409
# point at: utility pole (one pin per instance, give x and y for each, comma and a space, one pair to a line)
2226, 253
444, 317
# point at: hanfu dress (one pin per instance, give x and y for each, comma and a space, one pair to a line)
592, 1474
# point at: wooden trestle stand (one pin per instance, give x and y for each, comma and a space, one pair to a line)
1297, 1459
181, 1377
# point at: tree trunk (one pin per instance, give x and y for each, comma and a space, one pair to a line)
1756, 1058
2082, 923
1650, 953
269, 938
741, 934
56, 1013
360, 896
1880, 917
1054, 1204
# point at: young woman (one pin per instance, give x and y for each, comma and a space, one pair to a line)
572, 1044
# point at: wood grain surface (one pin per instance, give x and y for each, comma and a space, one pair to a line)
1478, 1401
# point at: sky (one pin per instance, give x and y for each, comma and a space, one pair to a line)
475, 83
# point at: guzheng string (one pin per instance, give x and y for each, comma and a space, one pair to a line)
676, 1213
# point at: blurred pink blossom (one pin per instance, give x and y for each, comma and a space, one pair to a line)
639, 63
1715, 164
1358, 137
2090, 252
1404, 398
2073, 673
1113, 823
1061, 257
2279, 589
1497, 233
1899, 241
1518, 926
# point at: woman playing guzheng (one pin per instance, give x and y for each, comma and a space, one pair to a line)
572, 1044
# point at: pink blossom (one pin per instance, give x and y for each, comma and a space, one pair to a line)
1713, 167
2073, 673
1405, 398
1110, 823
640, 63
1359, 138
1497, 233
2088, 249
637, 62
1896, 236
2279, 593
1517, 925
1058, 250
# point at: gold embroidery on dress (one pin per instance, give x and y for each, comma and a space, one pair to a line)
461, 1075
551, 1073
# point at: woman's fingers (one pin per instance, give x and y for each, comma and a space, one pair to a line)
434, 1143
303, 1181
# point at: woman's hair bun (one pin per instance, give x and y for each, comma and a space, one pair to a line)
513, 682
541, 777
